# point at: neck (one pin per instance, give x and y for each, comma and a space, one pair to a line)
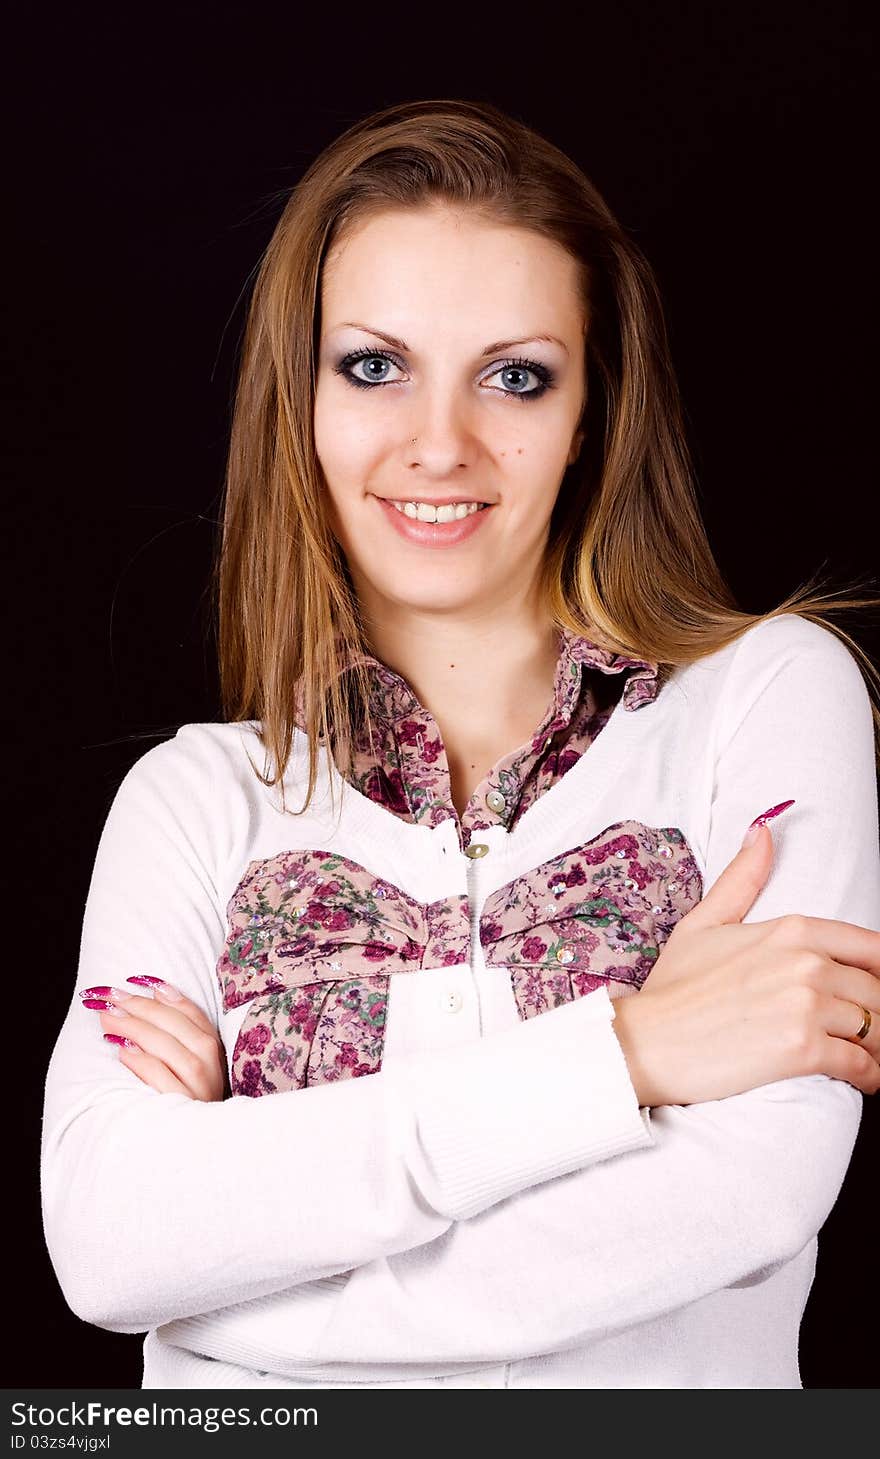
480, 674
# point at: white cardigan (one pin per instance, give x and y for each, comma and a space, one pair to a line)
490, 1208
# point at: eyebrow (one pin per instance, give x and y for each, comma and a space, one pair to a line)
498, 347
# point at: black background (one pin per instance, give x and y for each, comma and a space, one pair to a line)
148, 155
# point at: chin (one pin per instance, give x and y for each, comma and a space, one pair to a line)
428, 590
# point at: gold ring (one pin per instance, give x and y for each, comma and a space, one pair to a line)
866, 1023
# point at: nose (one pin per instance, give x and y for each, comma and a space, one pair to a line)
442, 444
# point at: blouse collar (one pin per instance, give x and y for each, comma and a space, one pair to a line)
392, 698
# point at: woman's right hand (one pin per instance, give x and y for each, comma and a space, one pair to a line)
730, 1006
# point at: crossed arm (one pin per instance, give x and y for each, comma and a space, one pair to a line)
463, 1245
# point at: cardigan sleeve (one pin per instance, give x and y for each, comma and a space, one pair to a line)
729, 1189
157, 1206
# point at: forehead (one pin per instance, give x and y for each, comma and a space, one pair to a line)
401, 265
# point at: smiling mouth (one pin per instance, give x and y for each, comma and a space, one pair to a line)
430, 529
426, 512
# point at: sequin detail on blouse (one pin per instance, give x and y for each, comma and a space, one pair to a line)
315, 937
594, 916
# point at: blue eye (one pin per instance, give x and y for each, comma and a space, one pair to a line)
527, 367
344, 368
519, 367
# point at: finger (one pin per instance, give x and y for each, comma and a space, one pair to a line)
164, 994
853, 987
847, 943
842, 1059
735, 890
843, 1017
170, 1017
152, 1071
183, 1061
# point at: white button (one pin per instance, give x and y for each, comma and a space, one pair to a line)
451, 1002
495, 800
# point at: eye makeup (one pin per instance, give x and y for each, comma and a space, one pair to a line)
545, 376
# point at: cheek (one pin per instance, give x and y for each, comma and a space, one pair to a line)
532, 490
329, 439
345, 448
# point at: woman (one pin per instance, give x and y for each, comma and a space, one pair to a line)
461, 550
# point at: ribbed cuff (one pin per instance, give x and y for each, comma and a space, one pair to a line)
549, 1096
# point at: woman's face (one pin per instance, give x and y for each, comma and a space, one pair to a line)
453, 416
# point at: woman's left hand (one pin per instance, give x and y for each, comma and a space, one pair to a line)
178, 1048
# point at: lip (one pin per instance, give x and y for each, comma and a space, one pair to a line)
434, 534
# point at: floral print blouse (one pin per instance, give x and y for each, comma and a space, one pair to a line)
313, 937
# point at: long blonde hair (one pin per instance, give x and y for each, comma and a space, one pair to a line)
628, 562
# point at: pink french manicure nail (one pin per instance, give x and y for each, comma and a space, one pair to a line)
753, 830
116, 1038
165, 990
775, 810
105, 1006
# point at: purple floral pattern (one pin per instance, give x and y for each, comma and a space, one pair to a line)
592, 917
313, 938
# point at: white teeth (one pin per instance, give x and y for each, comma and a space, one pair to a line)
451, 512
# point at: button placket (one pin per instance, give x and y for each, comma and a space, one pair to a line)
475, 852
